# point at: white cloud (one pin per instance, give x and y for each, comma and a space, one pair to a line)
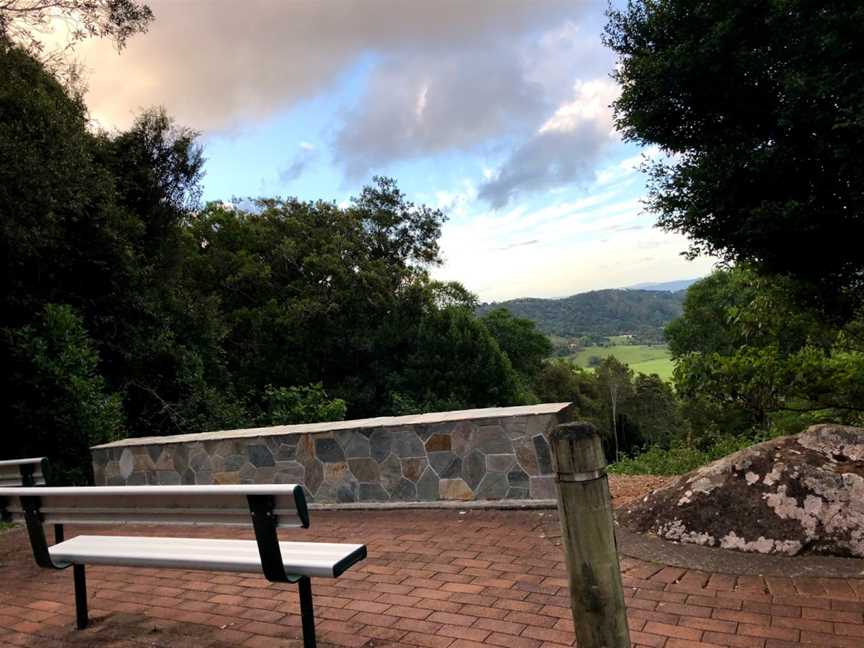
564, 150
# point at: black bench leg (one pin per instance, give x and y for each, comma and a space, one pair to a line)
59, 536
80, 596
307, 613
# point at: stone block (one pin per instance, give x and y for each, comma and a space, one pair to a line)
463, 438
138, 479
413, 468
233, 462
517, 479
543, 488
438, 443
405, 491
259, 455
427, 486
226, 477
285, 451
454, 489
446, 464
328, 450
126, 464
406, 444
391, 473
474, 468
492, 439
372, 492
380, 444
289, 472
365, 469
516, 493
526, 456
314, 474
499, 462
354, 444
167, 478
544, 454
494, 486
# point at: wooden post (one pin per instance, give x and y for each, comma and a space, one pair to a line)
588, 535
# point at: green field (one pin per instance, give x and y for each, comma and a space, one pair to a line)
642, 358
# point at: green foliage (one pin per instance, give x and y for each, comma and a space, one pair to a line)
306, 404
759, 107
747, 354
600, 314
680, 458
58, 403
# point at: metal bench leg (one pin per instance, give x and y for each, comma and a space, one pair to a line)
80, 596
59, 536
307, 613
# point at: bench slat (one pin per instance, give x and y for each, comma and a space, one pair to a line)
300, 558
191, 505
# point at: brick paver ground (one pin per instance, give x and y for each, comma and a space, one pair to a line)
434, 578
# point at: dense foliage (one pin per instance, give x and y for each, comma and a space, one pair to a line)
130, 308
599, 314
759, 107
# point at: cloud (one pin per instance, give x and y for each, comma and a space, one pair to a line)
306, 156
423, 105
565, 149
216, 65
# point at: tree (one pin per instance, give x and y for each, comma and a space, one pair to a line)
747, 354
59, 405
615, 381
25, 22
525, 346
758, 107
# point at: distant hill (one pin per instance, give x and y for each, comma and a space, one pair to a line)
640, 313
669, 286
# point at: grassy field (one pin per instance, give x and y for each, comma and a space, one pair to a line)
642, 358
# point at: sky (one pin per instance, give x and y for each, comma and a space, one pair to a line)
496, 111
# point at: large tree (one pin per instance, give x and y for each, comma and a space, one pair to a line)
759, 108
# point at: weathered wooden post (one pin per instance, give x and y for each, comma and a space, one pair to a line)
588, 535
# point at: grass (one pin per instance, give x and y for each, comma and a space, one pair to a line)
642, 358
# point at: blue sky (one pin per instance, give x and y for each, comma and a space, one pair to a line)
496, 111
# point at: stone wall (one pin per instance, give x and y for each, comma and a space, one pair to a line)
485, 454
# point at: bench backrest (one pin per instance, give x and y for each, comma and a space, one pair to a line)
22, 472
265, 507
229, 505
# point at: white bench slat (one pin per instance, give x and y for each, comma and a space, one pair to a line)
322, 559
185, 505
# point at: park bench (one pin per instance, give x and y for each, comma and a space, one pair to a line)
266, 508
22, 472
27, 472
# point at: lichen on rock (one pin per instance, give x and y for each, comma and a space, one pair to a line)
792, 495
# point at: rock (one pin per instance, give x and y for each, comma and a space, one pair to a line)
543, 488
463, 437
473, 468
438, 443
405, 491
380, 442
800, 494
391, 473
413, 468
427, 486
446, 464
328, 451
372, 493
544, 455
127, 463
365, 469
492, 439
260, 455
517, 479
526, 456
494, 486
454, 489
499, 462
354, 444
407, 444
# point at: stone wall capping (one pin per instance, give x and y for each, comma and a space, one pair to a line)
478, 415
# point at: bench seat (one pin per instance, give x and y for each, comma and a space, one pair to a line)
300, 558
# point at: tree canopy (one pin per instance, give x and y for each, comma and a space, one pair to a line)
758, 107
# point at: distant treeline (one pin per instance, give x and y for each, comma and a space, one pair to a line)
600, 314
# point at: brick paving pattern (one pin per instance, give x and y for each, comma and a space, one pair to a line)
434, 578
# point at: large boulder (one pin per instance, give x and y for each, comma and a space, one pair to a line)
792, 495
